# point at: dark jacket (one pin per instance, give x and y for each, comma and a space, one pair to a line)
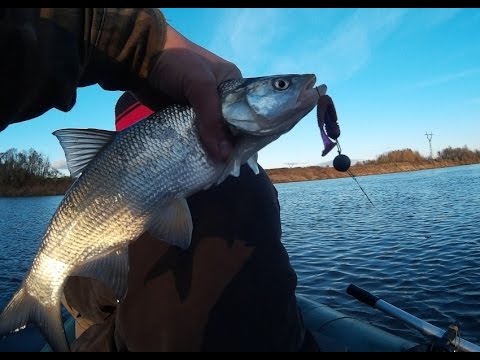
232, 290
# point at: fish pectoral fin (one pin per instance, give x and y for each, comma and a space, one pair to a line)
252, 162
246, 151
81, 146
232, 167
173, 224
111, 269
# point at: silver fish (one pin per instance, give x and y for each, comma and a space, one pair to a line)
138, 179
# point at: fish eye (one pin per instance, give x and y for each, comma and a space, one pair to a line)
281, 84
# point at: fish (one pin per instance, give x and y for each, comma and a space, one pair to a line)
138, 179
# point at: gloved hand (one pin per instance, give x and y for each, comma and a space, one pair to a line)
187, 73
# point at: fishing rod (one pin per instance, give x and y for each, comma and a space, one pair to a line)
449, 337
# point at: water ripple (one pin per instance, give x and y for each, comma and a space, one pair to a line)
417, 248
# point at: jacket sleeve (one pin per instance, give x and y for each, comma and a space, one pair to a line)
47, 53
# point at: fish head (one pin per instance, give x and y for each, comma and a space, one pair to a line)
269, 105
260, 110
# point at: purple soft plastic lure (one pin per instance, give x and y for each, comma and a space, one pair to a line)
326, 111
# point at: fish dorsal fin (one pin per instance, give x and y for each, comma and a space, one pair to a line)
111, 269
173, 224
81, 146
252, 162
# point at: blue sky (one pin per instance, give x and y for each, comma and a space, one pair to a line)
394, 74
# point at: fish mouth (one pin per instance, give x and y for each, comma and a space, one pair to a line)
310, 93
308, 98
311, 82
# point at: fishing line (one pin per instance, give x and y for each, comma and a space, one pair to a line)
326, 113
327, 119
360, 186
339, 149
341, 165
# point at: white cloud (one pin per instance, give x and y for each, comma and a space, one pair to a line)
446, 78
334, 51
474, 101
439, 16
354, 40
60, 164
245, 36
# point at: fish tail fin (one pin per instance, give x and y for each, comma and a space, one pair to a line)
24, 308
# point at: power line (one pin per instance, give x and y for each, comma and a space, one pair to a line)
429, 137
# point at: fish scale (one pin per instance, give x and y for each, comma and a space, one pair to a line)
132, 208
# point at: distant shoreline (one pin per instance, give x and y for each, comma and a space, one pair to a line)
284, 175
279, 175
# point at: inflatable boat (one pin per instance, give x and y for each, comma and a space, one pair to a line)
333, 330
